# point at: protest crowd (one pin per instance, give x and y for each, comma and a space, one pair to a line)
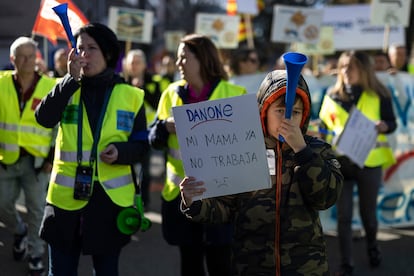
92, 125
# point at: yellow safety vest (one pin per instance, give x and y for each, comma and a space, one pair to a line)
151, 87
116, 179
22, 130
335, 117
169, 99
6, 73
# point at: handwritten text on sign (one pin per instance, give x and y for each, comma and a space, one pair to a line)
221, 143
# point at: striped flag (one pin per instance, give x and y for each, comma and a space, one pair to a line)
231, 9
49, 25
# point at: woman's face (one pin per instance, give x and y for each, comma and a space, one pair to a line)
250, 65
349, 71
89, 50
187, 64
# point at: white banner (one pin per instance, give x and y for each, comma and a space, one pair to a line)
353, 31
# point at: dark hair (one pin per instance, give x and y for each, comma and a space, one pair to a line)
241, 54
211, 67
106, 40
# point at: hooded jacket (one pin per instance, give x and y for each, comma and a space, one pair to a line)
278, 230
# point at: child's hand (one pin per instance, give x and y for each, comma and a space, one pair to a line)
191, 188
292, 134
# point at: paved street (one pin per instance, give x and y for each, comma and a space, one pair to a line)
149, 255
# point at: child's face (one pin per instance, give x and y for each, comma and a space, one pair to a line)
276, 113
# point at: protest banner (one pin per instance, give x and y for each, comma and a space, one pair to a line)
353, 29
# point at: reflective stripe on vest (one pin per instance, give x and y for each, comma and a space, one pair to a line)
169, 99
9, 127
70, 156
174, 153
34, 130
69, 181
174, 178
9, 147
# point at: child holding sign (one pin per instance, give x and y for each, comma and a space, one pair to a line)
278, 230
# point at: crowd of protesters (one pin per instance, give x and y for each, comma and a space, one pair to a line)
71, 137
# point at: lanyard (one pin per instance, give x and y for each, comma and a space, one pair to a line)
97, 132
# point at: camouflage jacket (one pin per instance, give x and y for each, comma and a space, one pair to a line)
311, 181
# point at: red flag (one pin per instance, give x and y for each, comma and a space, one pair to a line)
49, 25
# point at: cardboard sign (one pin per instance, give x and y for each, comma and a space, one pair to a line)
325, 45
222, 29
222, 144
296, 24
390, 12
131, 24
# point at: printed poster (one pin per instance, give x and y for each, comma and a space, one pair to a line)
390, 13
222, 144
222, 29
131, 24
172, 40
296, 24
325, 45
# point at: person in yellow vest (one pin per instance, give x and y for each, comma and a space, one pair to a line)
202, 78
102, 132
25, 151
137, 74
358, 87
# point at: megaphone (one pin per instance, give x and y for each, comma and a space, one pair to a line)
294, 63
132, 219
62, 11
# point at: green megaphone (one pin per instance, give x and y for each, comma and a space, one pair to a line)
132, 219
